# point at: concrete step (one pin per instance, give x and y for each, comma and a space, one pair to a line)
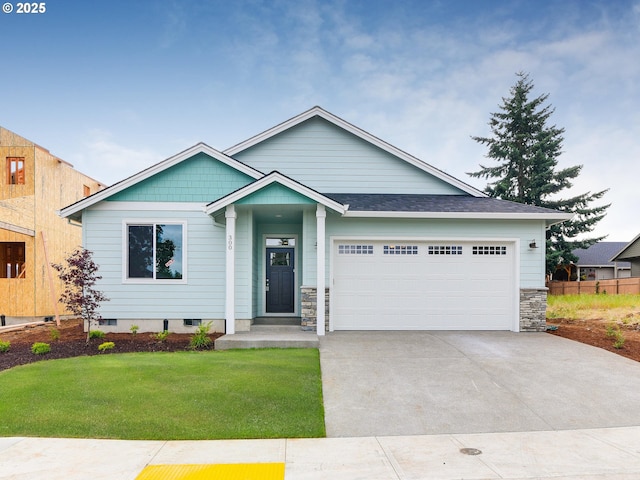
269, 336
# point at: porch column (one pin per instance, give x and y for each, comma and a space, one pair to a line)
230, 301
320, 285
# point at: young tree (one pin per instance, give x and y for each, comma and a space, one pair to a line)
526, 150
79, 277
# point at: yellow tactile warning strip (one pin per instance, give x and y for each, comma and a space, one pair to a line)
232, 471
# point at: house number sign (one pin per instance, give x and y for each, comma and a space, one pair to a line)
230, 242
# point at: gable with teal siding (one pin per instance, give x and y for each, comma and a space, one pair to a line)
275, 194
329, 159
200, 178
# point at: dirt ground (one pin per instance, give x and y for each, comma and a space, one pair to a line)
72, 340
594, 332
72, 343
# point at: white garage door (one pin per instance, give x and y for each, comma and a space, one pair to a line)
386, 285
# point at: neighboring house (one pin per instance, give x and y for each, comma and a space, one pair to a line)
33, 185
630, 253
594, 263
313, 211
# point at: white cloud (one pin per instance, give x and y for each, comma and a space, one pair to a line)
110, 162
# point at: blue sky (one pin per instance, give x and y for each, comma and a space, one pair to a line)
114, 87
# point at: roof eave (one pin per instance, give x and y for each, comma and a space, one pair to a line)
550, 220
617, 256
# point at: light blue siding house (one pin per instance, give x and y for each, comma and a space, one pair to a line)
314, 211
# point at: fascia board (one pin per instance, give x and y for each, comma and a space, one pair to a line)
155, 169
317, 111
624, 249
274, 177
561, 217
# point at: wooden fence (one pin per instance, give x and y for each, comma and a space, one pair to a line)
611, 286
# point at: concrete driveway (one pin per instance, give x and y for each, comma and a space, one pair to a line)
420, 383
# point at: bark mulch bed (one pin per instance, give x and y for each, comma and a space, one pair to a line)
594, 332
72, 340
72, 343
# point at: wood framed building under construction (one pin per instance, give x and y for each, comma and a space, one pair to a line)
33, 185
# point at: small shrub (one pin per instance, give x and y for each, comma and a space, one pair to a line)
96, 334
55, 335
134, 329
106, 346
40, 348
4, 346
200, 339
614, 332
162, 336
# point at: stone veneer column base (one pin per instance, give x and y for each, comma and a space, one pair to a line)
533, 309
309, 303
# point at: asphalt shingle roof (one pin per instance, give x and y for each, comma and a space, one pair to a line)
600, 254
376, 202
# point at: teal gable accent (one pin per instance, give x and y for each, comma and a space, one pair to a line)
275, 194
200, 178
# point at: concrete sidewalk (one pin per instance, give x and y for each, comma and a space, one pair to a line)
610, 453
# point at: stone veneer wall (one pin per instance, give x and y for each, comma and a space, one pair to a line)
309, 300
533, 309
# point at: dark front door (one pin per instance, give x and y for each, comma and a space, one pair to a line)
280, 280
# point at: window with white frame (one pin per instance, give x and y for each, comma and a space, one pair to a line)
155, 251
400, 250
355, 249
489, 250
445, 250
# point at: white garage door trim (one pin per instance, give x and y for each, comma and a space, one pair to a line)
340, 319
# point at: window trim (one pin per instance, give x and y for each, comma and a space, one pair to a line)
125, 251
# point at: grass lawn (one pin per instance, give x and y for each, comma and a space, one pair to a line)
593, 306
271, 393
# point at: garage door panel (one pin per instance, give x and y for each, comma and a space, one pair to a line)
424, 285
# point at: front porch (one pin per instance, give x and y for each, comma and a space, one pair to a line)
275, 255
271, 332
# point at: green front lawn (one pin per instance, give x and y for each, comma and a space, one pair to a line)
271, 393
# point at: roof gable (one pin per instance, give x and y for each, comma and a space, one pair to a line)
199, 178
274, 188
330, 154
630, 251
73, 211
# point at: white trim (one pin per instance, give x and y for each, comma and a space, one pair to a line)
230, 269
125, 251
155, 169
149, 206
263, 275
274, 177
333, 239
617, 256
320, 112
321, 268
551, 219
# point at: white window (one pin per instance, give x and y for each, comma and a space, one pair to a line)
400, 250
489, 250
155, 251
444, 250
355, 249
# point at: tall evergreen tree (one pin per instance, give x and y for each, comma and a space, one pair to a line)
526, 150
